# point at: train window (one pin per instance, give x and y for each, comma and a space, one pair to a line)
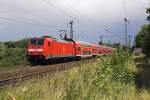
94, 49
37, 41
49, 43
79, 48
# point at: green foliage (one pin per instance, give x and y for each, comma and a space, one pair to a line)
120, 62
108, 79
23, 43
13, 54
2, 49
148, 12
13, 57
114, 68
10, 44
17, 44
143, 37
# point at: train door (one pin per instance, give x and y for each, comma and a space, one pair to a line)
79, 51
47, 48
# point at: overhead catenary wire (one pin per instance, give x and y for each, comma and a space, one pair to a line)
16, 20
28, 20
24, 19
74, 12
16, 8
112, 37
54, 6
64, 12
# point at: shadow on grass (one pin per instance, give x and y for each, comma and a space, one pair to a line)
143, 74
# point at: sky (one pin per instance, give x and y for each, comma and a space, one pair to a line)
32, 18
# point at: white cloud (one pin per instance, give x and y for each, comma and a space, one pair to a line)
102, 10
106, 10
96, 14
1, 26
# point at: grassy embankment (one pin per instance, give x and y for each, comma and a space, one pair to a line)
13, 54
112, 78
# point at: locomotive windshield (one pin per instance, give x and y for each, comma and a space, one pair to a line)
37, 41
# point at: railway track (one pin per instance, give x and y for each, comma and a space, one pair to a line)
18, 75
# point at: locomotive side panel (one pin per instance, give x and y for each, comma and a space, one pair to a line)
48, 48
62, 49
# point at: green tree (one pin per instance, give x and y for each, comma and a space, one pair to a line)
146, 47
10, 44
22, 43
143, 37
148, 12
2, 49
17, 44
140, 37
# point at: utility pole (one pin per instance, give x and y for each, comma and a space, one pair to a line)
101, 42
109, 43
71, 29
126, 32
130, 41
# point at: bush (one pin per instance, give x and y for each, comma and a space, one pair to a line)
22, 43
13, 57
13, 54
2, 49
114, 68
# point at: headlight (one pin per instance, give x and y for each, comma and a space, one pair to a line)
35, 50
39, 50
31, 50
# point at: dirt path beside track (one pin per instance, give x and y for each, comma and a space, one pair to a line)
29, 72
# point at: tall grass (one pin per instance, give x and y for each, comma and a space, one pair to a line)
109, 79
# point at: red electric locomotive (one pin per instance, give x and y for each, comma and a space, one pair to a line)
48, 48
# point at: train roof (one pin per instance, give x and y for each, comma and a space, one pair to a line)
83, 43
78, 42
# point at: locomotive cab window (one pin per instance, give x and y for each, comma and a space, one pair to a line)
37, 41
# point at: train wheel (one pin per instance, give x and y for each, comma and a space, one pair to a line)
44, 62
